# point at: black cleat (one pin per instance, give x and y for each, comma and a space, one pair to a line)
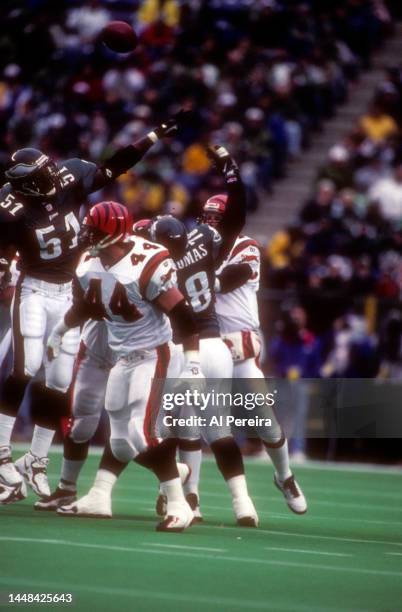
60, 497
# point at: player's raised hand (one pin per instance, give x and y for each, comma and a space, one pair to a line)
223, 161
173, 124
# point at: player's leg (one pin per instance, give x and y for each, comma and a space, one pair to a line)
157, 455
132, 401
50, 400
88, 398
273, 438
189, 448
216, 363
28, 327
98, 501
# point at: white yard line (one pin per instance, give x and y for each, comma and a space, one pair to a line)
198, 555
179, 546
308, 552
139, 594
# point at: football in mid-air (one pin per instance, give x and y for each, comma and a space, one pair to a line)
119, 36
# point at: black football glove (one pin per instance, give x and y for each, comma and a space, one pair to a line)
172, 125
223, 162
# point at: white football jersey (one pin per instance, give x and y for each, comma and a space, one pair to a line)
126, 290
238, 309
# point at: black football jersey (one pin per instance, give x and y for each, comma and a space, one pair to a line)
196, 277
45, 233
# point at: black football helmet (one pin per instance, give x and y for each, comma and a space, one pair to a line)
171, 233
33, 174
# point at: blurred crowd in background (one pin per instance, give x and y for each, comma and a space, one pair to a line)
262, 77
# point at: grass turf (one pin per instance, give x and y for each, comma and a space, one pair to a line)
344, 554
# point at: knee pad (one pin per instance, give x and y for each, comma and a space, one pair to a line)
59, 372
33, 356
122, 450
84, 428
71, 341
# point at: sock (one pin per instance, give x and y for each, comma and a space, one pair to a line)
190, 453
238, 486
228, 457
70, 470
279, 454
104, 481
41, 441
75, 454
173, 490
6, 429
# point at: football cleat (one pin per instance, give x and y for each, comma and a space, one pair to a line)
194, 503
12, 485
179, 516
161, 501
60, 497
96, 504
292, 493
34, 471
245, 512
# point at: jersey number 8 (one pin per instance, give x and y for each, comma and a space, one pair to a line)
198, 291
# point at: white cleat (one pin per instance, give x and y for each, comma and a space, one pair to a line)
179, 516
34, 471
96, 504
161, 501
245, 512
292, 493
12, 485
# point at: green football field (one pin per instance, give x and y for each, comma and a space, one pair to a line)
345, 554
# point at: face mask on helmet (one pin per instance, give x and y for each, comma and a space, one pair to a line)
106, 223
33, 174
213, 210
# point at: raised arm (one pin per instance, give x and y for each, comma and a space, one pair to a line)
234, 217
127, 157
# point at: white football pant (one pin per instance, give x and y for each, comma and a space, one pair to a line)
133, 399
36, 308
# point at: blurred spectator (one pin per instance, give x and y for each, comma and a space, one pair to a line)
338, 168
387, 193
377, 125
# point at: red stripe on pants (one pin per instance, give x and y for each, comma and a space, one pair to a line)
67, 423
155, 395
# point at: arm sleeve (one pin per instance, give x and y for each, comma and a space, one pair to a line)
234, 276
121, 161
235, 215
